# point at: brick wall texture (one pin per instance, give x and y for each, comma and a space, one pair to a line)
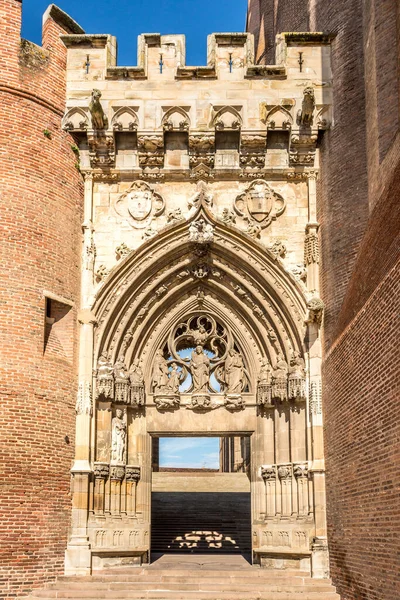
40, 241
358, 196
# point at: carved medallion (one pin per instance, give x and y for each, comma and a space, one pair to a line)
139, 205
259, 203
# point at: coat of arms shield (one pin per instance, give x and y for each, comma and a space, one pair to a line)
139, 203
260, 200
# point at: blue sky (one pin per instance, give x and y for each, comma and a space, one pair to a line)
126, 19
189, 452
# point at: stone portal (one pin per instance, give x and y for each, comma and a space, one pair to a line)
200, 310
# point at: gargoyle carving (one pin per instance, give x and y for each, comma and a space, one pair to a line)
99, 119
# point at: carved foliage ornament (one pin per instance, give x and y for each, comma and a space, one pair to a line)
139, 205
259, 203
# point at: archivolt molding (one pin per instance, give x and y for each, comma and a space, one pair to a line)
234, 276
176, 119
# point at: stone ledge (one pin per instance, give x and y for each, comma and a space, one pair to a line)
62, 19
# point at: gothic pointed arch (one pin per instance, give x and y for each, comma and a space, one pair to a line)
276, 117
176, 119
226, 117
125, 119
75, 119
175, 276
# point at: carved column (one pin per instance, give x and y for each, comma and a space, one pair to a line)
132, 477
269, 476
77, 555
117, 473
285, 478
300, 471
101, 473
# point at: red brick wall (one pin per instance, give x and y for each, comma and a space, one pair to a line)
41, 214
358, 196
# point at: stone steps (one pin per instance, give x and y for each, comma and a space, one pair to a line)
173, 577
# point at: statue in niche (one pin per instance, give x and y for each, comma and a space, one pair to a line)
264, 388
137, 383
234, 372
118, 437
297, 377
160, 374
279, 381
105, 376
200, 369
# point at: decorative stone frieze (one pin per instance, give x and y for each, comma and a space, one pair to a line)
300, 470
311, 247
101, 149
285, 471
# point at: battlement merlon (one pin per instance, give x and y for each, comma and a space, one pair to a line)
230, 57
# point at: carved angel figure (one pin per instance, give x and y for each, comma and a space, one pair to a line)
200, 368
160, 373
118, 437
234, 372
200, 336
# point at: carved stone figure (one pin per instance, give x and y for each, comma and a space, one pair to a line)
174, 380
297, 379
121, 382
118, 437
234, 372
99, 119
315, 310
279, 381
174, 216
137, 383
200, 369
105, 377
201, 232
160, 374
284, 471
253, 229
202, 197
264, 388
200, 336
278, 248
228, 217
305, 115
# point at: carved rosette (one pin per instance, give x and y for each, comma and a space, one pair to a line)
101, 470
117, 472
300, 470
132, 473
284, 472
268, 473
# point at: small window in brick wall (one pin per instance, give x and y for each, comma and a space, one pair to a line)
58, 332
